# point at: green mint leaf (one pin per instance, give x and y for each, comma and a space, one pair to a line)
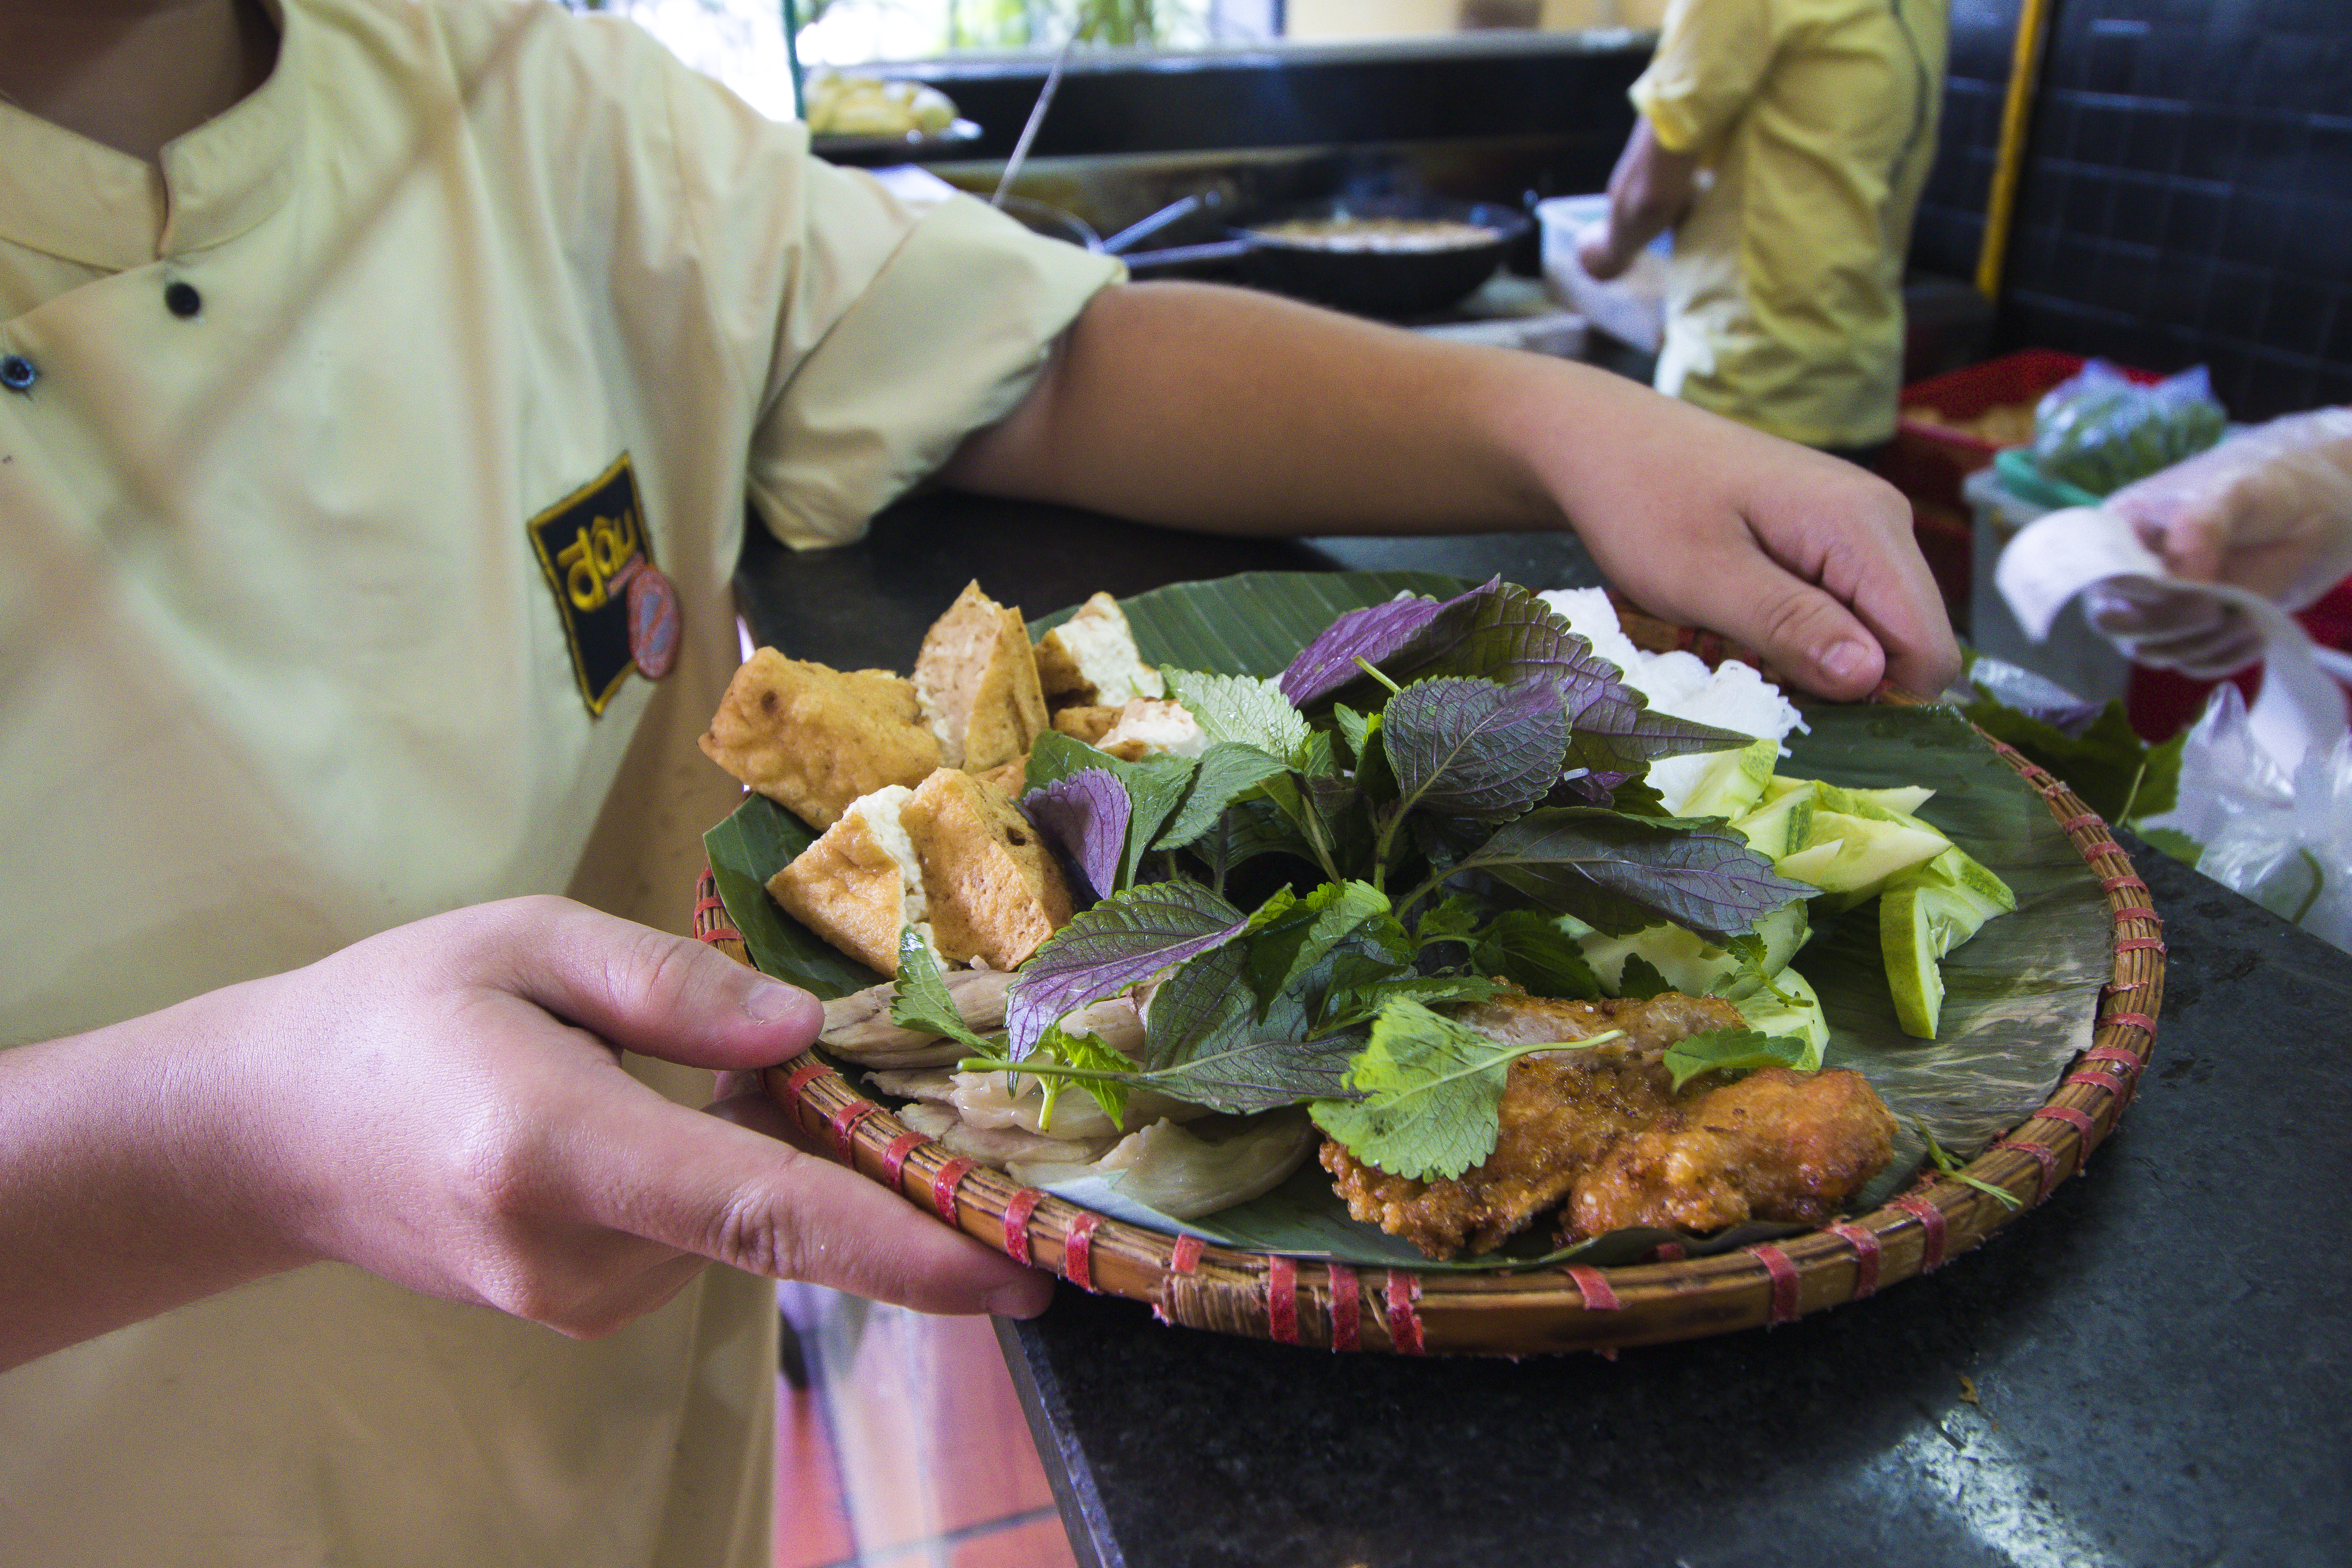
1466, 747
1527, 947
1619, 873
920, 1000
1640, 979
1729, 1050
1292, 935
1202, 1006
1349, 1006
1227, 771
1241, 709
1356, 729
1433, 1094
1454, 919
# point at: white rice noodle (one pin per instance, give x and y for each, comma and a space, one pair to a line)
1184, 1176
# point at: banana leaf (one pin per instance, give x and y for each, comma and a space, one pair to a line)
2020, 998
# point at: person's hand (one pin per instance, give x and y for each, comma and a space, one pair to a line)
444, 1105
2269, 510
1596, 255
1806, 558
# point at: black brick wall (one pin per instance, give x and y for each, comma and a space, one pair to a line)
2186, 194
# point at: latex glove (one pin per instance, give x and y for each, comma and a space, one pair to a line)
2268, 510
445, 1105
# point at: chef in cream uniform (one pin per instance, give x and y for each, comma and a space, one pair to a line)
372, 475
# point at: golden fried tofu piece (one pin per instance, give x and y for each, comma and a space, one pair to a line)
977, 682
1012, 777
813, 739
1091, 661
860, 883
995, 890
1775, 1145
1085, 723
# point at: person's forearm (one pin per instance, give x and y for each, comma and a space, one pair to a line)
1233, 411
1649, 192
124, 1191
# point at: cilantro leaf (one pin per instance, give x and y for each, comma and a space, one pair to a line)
1106, 1067
1433, 1094
1243, 709
920, 1000
1730, 1050
1128, 937
1527, 947
1467, 747
1620, 873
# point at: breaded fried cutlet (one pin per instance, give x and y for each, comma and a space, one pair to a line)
1774, 1145
813, 739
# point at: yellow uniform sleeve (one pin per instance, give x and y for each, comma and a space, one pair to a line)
876, 332
1712, 56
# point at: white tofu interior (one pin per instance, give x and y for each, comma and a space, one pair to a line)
880, 813
1159, 726
1100, 643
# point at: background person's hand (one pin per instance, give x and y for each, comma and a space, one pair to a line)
2269, 510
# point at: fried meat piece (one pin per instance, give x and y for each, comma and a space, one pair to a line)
1560, 1114
813, 739
1774, 1145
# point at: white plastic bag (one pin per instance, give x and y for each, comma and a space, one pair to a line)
2285, 843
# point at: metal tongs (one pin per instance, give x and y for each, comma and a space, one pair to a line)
1036, 117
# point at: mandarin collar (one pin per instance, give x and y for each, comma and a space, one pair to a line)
65, 195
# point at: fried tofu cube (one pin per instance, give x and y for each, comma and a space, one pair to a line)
1091, 661
813, 739
861, 883
976, 681
995, 890
1085, 723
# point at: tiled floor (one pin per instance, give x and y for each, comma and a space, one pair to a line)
908, 1450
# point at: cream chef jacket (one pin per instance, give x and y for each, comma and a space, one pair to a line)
354, 437
1817, 119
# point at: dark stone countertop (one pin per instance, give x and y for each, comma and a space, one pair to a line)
2157, 1357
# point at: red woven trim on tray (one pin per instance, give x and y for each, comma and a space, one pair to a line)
2140, 1021
1186, 1257
1347, 1307
719, 933
1864, 1242
1667, 1252
894, 1158
2124, 1057
2080, 1120
2137, 912
2043, 1155
1594, 1284
944, 1184
1931, 1223
1404, 1314
1282, 1299
1785, 1280
2112, 883
2092, 1078
2136, 943
803, 1075
2088, 819
844, 1126
1017, 1222
1078, 1250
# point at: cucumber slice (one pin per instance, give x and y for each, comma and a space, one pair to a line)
1918, 926
1958, 872
1799, 1016
1781, 826
1868, 853
1732, 783
1688, 962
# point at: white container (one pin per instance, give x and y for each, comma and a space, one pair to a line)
1631, 307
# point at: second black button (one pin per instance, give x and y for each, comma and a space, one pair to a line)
183, 300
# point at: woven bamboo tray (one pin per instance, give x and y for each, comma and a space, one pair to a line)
1577, 1308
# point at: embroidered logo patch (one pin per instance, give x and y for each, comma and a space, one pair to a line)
619, 612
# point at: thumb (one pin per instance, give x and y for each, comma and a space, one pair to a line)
649, 992
1804, 633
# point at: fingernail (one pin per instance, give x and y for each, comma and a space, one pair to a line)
1845, 660
769, 1002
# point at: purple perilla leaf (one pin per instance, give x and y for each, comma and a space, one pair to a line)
1086, 816
1471, 748
1373, 634
1126, 938
1621, 873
